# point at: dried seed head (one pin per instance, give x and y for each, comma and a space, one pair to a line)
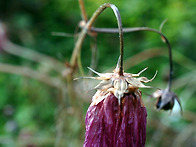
165, 99
118, 84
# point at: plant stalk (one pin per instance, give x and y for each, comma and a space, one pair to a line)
88, 26
128, 30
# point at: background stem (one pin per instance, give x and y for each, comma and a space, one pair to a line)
82, 9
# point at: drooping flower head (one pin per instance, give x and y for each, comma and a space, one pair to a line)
166, 99
117, 115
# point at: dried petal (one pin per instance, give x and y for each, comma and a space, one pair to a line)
117, 116
120, 84
109, 124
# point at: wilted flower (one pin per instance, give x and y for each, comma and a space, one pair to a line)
165, 99
117, 115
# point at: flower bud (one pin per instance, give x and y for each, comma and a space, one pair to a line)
165, 99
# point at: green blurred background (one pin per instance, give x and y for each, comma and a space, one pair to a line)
42, 112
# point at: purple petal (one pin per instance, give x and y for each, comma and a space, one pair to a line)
109, 124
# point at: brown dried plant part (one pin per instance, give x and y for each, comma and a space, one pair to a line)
165, 99
118, 84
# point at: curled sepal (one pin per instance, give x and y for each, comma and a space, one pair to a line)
111, 125
165, 99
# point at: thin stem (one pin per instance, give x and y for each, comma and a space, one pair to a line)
127, 30
162, 24
83, 11
94, 54
140, 57
62, 34
120, 29
88, 27
80, 64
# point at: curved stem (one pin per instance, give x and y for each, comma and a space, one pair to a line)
88, 26
127, 30
117, 14
120, 30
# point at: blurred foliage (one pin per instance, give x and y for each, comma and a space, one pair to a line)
30, 109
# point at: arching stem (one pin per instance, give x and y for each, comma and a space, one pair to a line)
88, 26
128, 30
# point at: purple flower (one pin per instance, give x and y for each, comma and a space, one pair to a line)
117, 115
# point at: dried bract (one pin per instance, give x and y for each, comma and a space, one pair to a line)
119, 85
